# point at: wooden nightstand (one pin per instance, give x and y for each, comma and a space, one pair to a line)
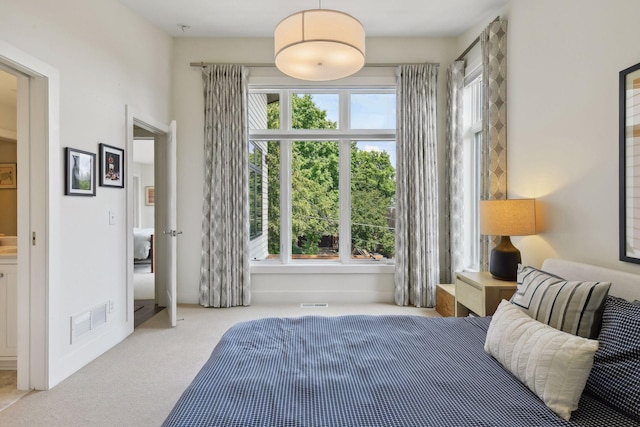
446, 300
480, 293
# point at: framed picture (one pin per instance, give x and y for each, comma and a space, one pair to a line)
80, 173
149, 196
111, 166
8, 177
629, 169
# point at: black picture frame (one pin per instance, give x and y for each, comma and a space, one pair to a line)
80, 172
111, 166
629, 167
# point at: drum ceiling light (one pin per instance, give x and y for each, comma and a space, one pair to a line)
319, 45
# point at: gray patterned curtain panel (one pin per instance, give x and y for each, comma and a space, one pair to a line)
224, 267
417, 239
493, 42
453, 238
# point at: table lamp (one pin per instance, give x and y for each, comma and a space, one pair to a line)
505, 218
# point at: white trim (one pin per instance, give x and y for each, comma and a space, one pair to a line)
286, 149
368, 76
344, 199
38, 266
375, 267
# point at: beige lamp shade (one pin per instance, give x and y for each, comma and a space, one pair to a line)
319, 45
515, 217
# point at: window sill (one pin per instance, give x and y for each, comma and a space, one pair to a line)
266, 267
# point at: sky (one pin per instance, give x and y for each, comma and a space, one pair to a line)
368, 111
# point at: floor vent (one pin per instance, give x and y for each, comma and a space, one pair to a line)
84, 323
314, 305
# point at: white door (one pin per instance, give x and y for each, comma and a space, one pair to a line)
171, 232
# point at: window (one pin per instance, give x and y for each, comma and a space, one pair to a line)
330, 168
472, 146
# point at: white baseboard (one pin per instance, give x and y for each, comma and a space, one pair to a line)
8, 363
348, 297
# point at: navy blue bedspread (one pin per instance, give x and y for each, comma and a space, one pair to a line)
365, 371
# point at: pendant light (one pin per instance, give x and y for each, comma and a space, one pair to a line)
319, 45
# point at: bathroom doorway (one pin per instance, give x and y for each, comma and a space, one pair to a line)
9, 392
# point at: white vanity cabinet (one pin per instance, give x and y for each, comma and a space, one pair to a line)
8, 313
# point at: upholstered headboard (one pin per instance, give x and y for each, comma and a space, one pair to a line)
624, 285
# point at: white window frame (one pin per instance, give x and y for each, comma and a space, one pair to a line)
343, 135
472, 140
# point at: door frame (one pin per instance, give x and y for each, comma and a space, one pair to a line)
38, 154
161, 131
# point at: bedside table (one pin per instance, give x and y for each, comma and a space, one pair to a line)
480, 293
446, 300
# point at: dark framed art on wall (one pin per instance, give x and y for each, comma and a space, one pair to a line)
80, 173
111, 166
629, 168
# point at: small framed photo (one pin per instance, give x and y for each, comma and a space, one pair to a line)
111, 166
149, 196
80, 173
8, 177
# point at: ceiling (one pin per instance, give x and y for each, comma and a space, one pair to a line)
258, 18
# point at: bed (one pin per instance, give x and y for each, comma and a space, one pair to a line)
403, 371
143, 247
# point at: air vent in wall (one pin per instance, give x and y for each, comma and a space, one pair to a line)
314, 305
84, 323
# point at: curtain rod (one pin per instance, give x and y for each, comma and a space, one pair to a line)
265, 65
473, 43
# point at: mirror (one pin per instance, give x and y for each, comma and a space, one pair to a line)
630, 164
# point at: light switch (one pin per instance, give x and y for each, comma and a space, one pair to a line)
112, 218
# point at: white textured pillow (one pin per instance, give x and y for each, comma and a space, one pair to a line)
554, 365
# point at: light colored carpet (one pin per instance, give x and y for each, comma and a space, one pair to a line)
138, 382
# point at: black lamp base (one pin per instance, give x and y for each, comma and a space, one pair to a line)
504, 260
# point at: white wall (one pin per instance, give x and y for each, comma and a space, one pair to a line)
563, 65
7, 120
189, 106
146, 173
107, 58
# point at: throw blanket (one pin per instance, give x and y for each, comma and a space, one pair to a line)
361, 371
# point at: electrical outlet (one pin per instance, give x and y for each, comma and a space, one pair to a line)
112, 306
112, 218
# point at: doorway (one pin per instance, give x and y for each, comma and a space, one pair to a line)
145, 305
37, 124
160, 196
9, 392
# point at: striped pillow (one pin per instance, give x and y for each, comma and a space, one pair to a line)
570, 306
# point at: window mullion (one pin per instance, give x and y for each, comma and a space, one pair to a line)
285, 178
285, 200
285, 111
345, 201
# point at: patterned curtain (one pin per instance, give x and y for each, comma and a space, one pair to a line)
224, 267
453, 256
493, 42
417, 240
